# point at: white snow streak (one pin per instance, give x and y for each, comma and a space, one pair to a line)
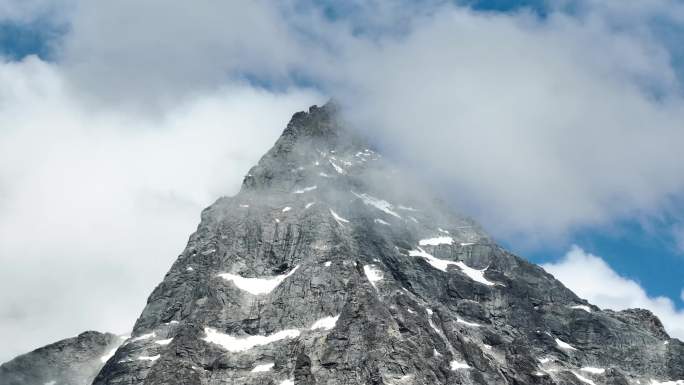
378, 203
593, 370
286, 209
456, 365
678, 382
564, 345
338, 218
442, 264
305, 189
327, 264
257, 286
163, 342
327, 323
263, 367
239, 344
466, 323
149, 358
373, 274
309, 205
380, 221
584, 379
143, 337
339, 169
436, 241
582, 307
287, 382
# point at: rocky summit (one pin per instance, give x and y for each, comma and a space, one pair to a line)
73, 361
333, 266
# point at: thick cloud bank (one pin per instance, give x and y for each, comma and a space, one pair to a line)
96, 205
591, 278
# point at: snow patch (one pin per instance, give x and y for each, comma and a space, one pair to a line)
466, 323
327, 323
257, 286
148, 358
143, 337
305, 189
378, 203
309, 205
584, 379
286, 209
338, 218
337, 168
327, 264
374, 275
380, 221
593, 370
406, 208
263, 367
189, 268
287, 382
456, 365
163, 342
464, 244
442, 231
582, 307
442, 264
678, 382
436, 241
239, 344
564, 345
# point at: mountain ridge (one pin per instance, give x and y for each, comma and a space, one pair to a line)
332, 266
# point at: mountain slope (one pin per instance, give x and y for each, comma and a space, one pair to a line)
331, 266
73, 361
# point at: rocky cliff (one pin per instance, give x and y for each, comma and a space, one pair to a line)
73, 361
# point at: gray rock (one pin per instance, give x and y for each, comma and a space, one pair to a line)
73, 361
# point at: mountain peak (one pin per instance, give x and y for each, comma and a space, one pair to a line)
333, 266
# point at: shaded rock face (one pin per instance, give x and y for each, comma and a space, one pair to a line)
331, 266
73, 361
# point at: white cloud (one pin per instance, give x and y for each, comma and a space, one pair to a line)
535, 127
93, 199
591, 278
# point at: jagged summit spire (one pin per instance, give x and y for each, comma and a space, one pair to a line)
306, 137
318, 122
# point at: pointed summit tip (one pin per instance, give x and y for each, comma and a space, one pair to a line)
318, 122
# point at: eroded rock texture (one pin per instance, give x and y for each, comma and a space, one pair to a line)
73, 361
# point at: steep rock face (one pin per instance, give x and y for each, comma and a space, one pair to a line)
332, 267
73, 361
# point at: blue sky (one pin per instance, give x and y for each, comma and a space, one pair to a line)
552, 123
